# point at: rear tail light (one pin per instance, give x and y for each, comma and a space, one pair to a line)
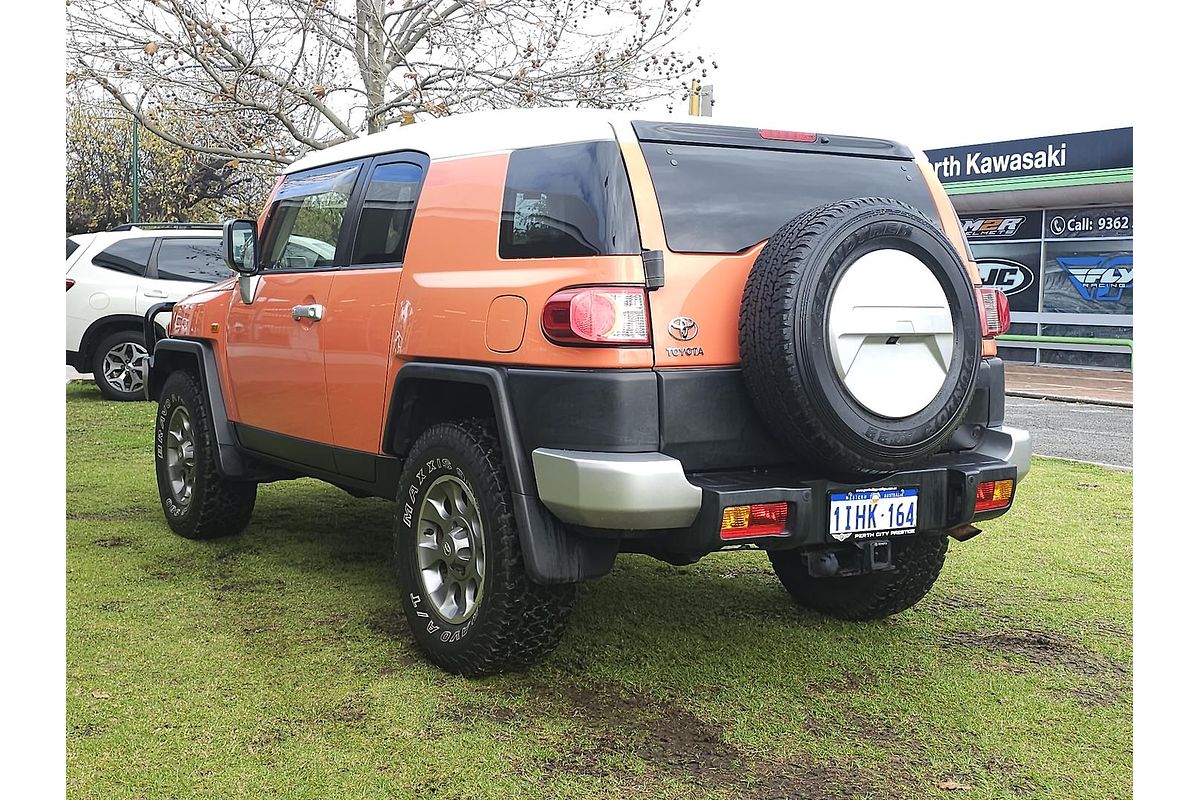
993, 311
597, 315
787, 136
70, 283
990, 495
760, 519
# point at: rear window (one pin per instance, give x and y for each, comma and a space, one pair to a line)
568, 200
726, 199
199, 260
72, 246
128, 255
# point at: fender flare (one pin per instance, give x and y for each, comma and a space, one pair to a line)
553, 554
172, 354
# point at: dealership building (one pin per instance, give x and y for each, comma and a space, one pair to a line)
1050, 222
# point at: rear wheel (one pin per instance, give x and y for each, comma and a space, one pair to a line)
918, 562
119, 366
470, 603
197, 501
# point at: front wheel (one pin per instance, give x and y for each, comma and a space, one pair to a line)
469, 602
918, 562
198, 502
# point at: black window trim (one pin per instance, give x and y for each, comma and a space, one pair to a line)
414, 157
353, 203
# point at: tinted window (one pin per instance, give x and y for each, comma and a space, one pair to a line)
127, 255
307, 218
192, 260
387, 214
725, 199
568, 200
72, 246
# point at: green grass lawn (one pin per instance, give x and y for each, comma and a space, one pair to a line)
278, 663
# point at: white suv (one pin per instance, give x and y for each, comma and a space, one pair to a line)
114, 277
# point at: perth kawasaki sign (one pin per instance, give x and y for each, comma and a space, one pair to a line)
1047, 155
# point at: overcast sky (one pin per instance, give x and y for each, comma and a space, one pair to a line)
930, 74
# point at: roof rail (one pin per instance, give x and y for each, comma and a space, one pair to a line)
157, 226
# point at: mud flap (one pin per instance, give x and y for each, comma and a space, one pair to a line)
554, 554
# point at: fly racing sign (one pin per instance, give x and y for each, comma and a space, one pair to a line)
1046, 155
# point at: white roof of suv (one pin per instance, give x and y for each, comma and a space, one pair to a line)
482, 132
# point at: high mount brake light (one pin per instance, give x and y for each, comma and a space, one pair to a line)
787, 136
994, 316
597, 315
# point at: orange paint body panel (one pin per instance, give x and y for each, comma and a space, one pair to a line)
276, 364
453, 272
358, 350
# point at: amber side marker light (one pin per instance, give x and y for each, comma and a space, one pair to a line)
760, 519
990, 495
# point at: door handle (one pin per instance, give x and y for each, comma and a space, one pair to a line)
154, 293
315, 312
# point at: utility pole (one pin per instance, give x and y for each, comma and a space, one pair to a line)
700, 100
133, 169
135, 178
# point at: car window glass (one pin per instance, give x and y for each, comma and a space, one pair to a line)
128, 255
387, 214
307, 219
72, 246
568, 200
198, 260
725, 199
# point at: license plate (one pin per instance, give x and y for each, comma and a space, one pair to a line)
866, 513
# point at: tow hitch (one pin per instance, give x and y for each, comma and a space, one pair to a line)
856, 558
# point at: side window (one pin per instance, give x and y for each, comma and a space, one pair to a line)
387, 214
568, 200
72, 246
128, 255
306, 221
199, 260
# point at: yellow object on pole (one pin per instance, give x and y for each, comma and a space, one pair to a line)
694, 100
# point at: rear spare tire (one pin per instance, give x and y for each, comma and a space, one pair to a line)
860, 336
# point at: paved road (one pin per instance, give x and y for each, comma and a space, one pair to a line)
1100, 434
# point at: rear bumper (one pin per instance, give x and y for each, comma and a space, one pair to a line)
636, 493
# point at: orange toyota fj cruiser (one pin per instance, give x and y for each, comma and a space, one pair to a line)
553, 336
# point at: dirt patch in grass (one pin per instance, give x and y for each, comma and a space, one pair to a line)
676, 745
1041, 648
389, 623
114, 541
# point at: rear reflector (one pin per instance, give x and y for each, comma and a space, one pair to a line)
70, 283
760, 519
597, 315
787, 136
994, 315
991, 495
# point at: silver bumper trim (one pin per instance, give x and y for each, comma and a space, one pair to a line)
626, 491
1008, 444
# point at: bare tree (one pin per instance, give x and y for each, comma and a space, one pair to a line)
273, 78
177, 184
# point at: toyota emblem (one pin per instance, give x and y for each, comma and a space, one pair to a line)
683, 328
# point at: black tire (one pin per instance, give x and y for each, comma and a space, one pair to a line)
515, 621
215, 506
918, 561
784, 339
127, 386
